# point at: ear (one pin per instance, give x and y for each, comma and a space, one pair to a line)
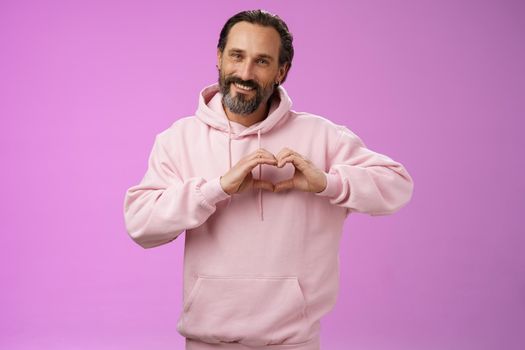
282, 71
219, 57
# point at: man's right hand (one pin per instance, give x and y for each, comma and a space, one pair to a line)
239, 177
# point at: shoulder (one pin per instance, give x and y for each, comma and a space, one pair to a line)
317, 123
179, 128
323, 130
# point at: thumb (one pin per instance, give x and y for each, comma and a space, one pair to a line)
284, 185
265, 185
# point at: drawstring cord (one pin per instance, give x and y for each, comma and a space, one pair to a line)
260, 165
260, 176
229, 153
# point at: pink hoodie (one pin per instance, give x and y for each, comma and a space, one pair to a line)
260, 268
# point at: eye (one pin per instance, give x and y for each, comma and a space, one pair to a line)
263, 61
235, 55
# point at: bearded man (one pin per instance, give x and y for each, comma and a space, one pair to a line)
261, 192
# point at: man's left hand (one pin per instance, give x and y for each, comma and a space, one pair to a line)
306, 176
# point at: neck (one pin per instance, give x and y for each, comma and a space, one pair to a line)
248, 119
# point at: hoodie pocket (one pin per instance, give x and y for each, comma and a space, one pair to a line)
253, 311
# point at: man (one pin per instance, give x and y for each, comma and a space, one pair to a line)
261, 250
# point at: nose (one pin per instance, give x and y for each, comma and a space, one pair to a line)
246, 70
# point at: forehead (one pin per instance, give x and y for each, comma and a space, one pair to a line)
254, 39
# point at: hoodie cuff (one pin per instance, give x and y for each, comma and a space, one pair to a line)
333, 187
213, 192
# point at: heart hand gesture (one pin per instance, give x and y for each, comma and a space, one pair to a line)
239, 177
306, 176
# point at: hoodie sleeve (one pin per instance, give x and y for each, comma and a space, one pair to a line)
365, 181
164, 204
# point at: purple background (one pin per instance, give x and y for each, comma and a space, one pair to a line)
436, 85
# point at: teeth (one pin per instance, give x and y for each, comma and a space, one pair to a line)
243, 87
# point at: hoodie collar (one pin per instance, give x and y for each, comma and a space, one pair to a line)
211, 112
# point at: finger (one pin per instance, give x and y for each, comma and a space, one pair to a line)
261, 153
289, 159
265, 185
284, 185
287, 153
283, 153
298, 162
268, 153
283, 161
256, 161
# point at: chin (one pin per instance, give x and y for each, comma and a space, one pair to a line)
246, 97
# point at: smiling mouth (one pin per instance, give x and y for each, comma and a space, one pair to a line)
243, 87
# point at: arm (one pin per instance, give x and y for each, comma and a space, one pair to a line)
163, 205
364, 181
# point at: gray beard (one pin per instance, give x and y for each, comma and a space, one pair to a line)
240, 105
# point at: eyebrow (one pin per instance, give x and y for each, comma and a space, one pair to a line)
263, 55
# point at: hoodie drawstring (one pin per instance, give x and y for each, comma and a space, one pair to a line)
211, 111
229, 153
260, 176
260, 165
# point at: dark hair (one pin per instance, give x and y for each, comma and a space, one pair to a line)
266, 19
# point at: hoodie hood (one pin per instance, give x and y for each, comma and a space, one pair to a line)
211, 112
